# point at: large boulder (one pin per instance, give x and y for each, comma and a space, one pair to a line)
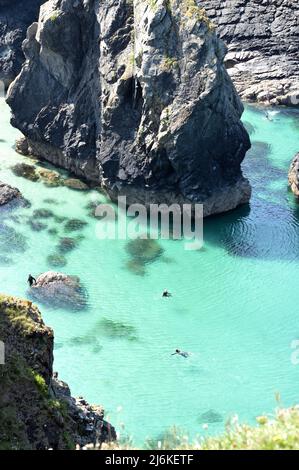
37, 411
294, 175
60, 291
8, 194
15, 17
143, 106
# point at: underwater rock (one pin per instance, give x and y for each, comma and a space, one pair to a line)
73, 225
11, 240
50, 178
43, 213
60, 291
50, 200
263, 43
5, 261
36, 226
15, 17
76, 184
26, 171
294, 175
8, 194
136, 267
116, 329
22, 146
210, 417
56, 260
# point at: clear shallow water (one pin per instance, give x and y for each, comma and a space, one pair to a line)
234, 305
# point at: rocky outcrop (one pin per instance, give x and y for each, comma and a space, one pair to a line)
8, 194
15, 17
37, 410
294, 175
263, 42
59, 290
148, 111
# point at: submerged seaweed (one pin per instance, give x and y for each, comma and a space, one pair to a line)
210, 417
116, 329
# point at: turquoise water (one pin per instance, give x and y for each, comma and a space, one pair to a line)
234, 304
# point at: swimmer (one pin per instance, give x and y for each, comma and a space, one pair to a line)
180, 353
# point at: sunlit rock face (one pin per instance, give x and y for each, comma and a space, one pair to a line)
263, 42
134, 95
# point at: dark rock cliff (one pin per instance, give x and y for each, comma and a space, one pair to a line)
15, 17
134, 95
36, 410
263, 43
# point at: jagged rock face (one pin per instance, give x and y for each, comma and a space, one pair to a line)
15, 17
294, 175
8, 194
135, 95
36, 410
263, 42
59, 290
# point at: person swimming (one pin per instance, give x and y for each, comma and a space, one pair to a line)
180, 353
166, 294
31, 280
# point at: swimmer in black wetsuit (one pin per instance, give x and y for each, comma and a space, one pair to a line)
31, 280
166, 294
